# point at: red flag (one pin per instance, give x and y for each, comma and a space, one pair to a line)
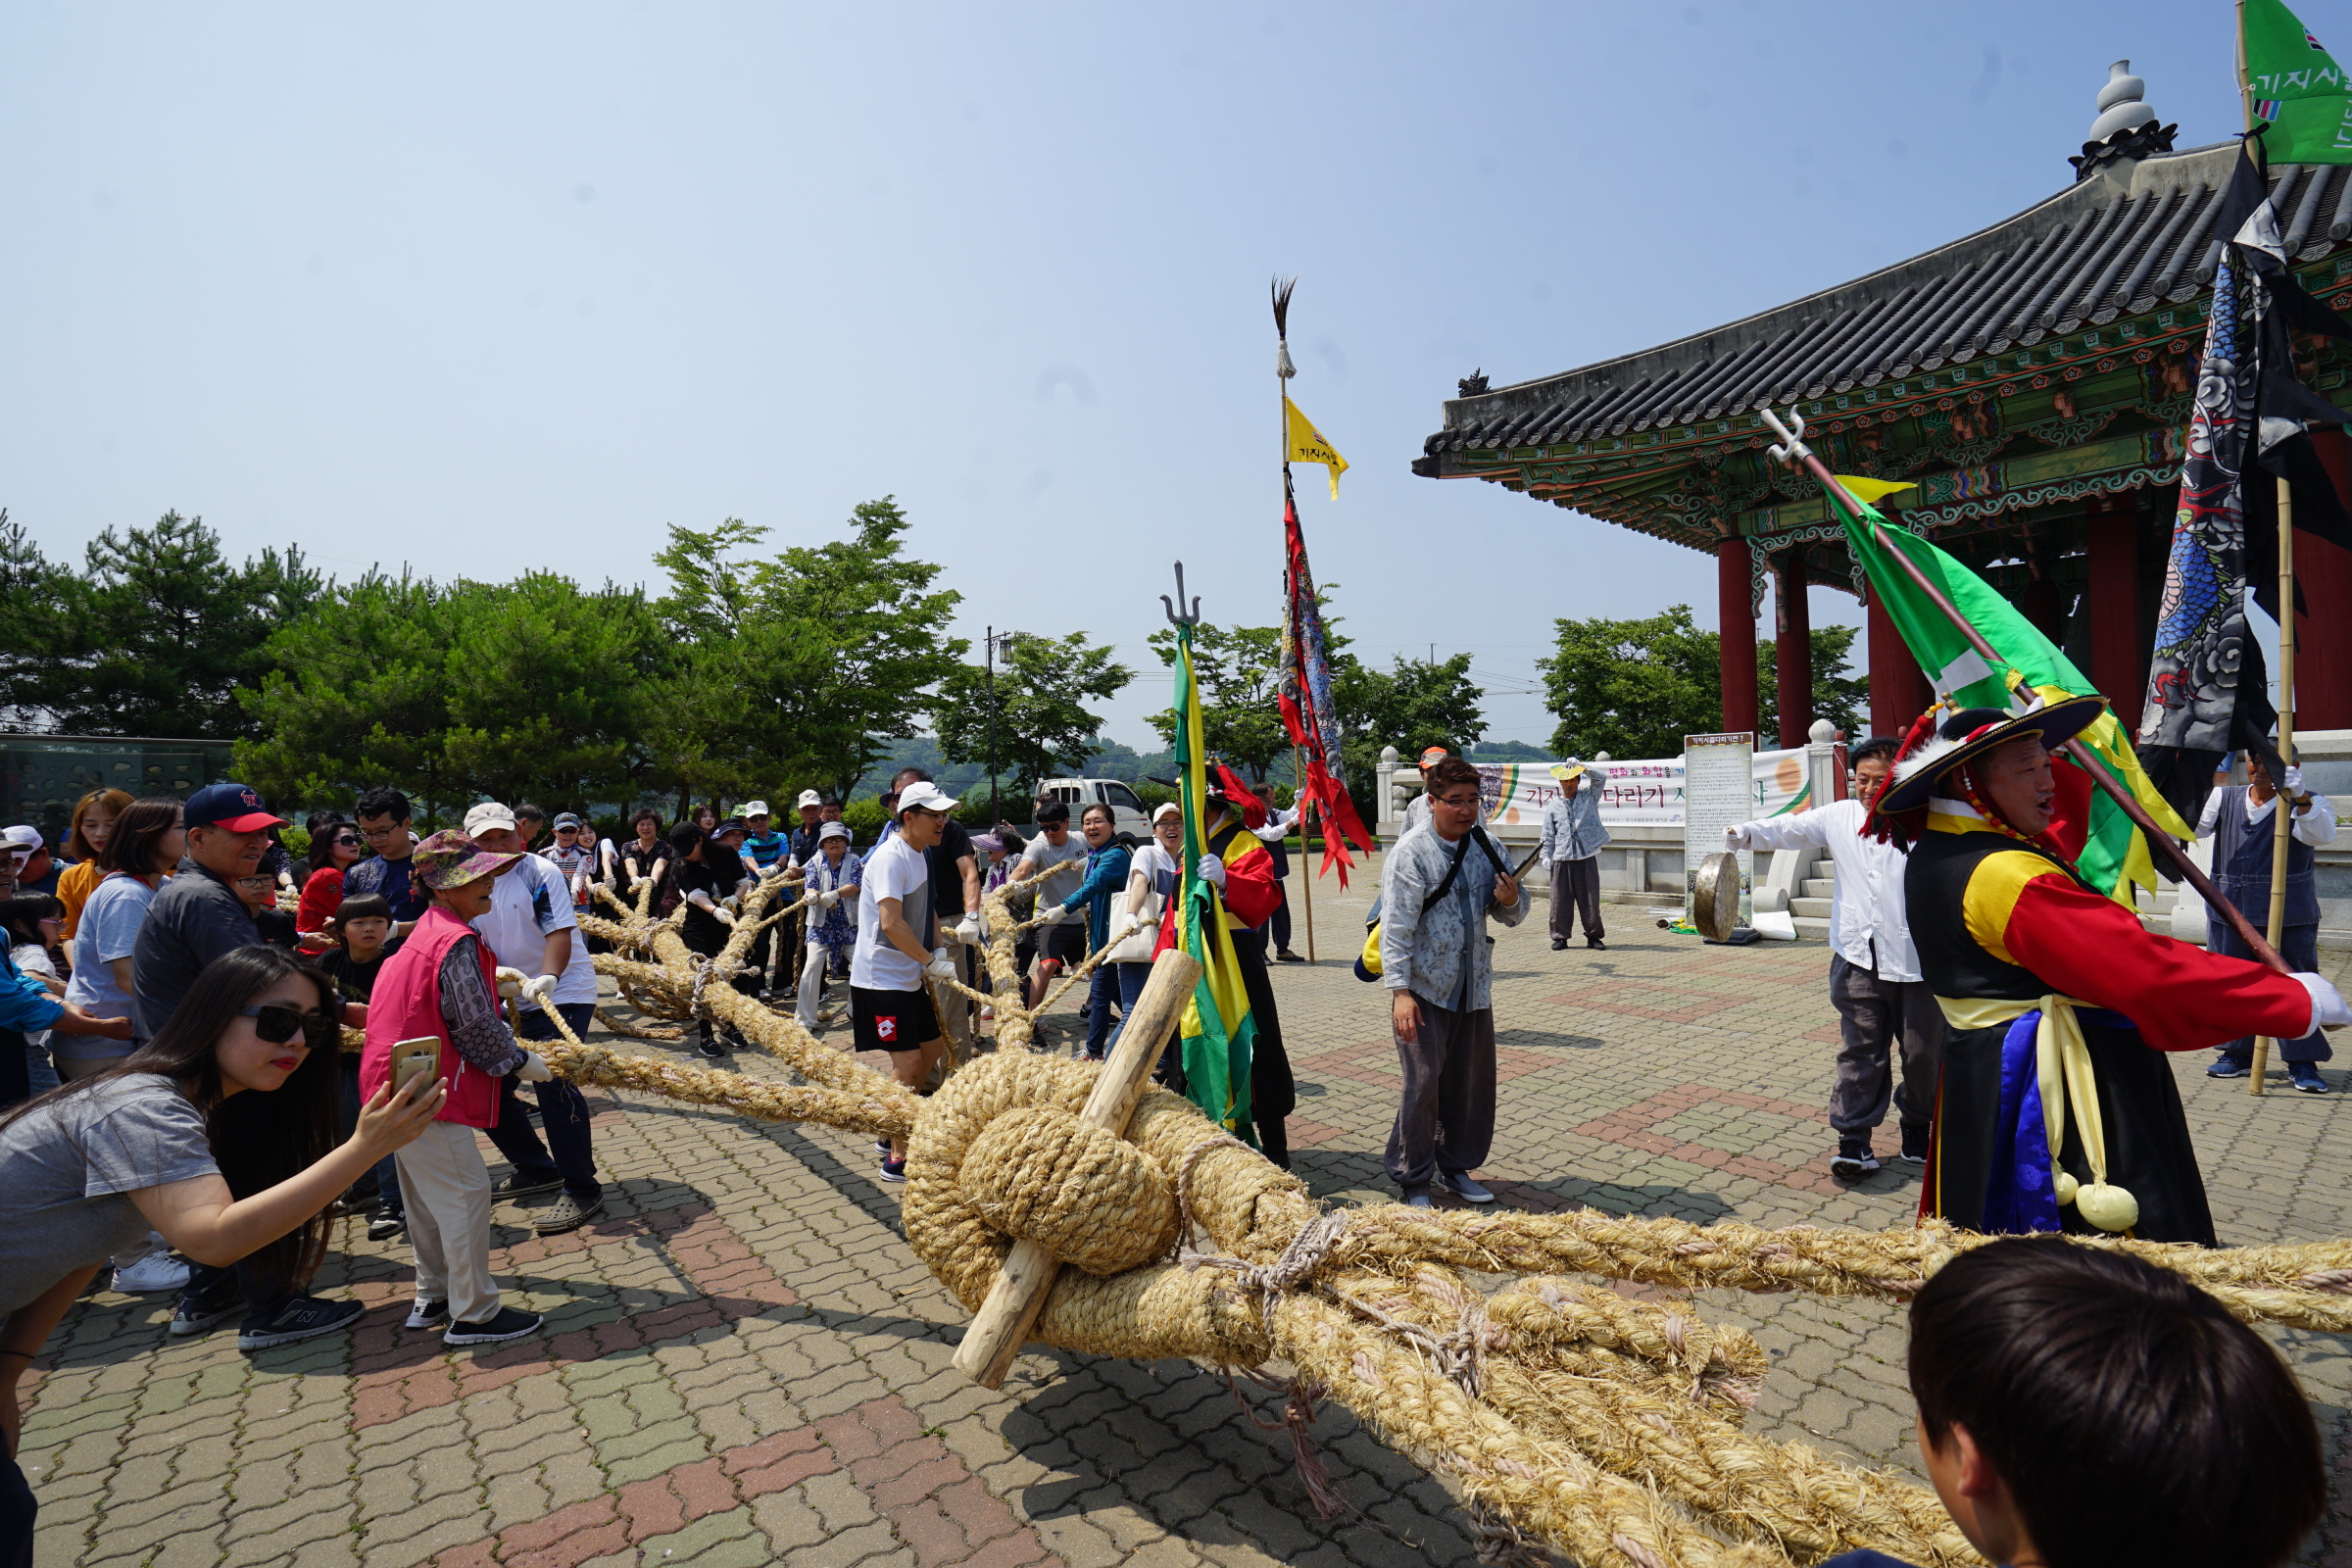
1305, 697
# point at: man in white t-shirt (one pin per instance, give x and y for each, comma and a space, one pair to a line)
897, 952
531, 928
1057, 857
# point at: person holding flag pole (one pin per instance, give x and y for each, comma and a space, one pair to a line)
2052, 1111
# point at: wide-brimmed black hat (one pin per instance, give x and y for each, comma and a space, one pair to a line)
1973, 732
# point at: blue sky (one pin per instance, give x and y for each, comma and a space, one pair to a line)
480, 289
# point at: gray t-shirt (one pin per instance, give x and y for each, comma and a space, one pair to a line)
109, 930
1063, 873
65, 1170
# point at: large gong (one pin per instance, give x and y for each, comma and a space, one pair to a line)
1715, 897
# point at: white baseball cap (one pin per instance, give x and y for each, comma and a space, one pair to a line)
809, 798
22, 837
751, 808
488, 814
927, 795
1167, 808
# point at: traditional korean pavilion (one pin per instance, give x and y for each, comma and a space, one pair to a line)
2034, 379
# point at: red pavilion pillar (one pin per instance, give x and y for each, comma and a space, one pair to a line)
1792, 648
2323, 636
1898, 692
1736, 617
2112, 529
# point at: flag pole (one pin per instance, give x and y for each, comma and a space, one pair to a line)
1284, 369
2283, 801
1794, 449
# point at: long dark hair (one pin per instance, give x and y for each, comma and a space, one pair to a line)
21, 917
324, 834
258, 1140
130, 847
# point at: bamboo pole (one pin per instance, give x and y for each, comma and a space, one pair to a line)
2282, 804
1003, 1324
2158, 839
1307, 859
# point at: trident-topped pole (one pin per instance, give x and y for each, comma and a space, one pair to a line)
1177, 615
1792, 449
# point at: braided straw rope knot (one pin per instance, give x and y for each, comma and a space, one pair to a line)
1571, 1417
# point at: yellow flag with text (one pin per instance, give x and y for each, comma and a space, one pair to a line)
1303, 443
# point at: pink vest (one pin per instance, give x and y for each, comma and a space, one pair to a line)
405, 1004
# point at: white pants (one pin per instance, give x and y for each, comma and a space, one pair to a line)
812, 970
446, 1188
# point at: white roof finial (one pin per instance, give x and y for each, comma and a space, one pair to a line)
2120, 105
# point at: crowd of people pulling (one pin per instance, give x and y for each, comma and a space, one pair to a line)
175, 1102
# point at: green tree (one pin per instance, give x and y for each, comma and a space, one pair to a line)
1042, 687
155, 634
1635, 688
1239, 669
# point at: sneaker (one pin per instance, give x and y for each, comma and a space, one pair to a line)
198, 1314
1417, 1198
1915, 1146
2306, 1078
1286, 955
517, 1184
305, 1317
709, 1049
2229, 1067
1459, 1183
893, 1170
508, 1325
1854, 1160
881, 1146
386, 1225
157, 1271
1559, 944
426, 1315
1597, 945
567, 1213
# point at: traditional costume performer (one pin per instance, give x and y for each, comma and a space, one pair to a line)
2055, 1110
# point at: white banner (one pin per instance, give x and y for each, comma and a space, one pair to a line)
1647, 792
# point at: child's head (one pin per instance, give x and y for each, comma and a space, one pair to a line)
34, 919
2079, 1405
363, 924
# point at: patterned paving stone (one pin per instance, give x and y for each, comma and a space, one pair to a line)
745, 1365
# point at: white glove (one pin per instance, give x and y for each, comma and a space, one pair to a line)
1051, 914
510, 982
1211, 870
2328, 1009
534, 1068
967, 930
941, 967
539, 988
2294, 779
725, 916
1733, 839
829, 898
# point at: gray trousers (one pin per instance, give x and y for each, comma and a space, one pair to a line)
1872, 1016
1446, 1116
1576, 890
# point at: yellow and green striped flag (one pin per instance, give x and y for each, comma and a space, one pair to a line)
2114, 856
1217, 1031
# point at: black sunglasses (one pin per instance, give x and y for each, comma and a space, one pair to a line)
276, 1024
350, 841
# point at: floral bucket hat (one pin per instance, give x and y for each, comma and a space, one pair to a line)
451, 860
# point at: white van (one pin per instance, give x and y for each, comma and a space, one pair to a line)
1127, 811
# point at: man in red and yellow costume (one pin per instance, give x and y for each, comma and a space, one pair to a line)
2055, 1110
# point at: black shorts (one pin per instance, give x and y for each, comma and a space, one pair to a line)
1066, 942
892, 1020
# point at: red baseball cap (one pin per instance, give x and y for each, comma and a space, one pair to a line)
238, 807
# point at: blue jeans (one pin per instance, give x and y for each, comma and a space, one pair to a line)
1102, 990
561, 1112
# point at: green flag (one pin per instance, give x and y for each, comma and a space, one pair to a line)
2114, 856
2296, 85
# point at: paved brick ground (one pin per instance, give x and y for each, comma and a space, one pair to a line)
745, 1365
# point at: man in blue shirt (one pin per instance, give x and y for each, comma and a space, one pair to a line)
383, 816
1571, 846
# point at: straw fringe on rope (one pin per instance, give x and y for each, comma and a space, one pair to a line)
1571, 1417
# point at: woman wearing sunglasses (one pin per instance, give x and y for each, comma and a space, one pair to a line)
218, 1133
335, 848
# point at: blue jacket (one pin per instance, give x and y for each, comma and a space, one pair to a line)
24, 1002
1105, 878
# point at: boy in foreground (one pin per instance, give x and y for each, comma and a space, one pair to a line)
2077, 1406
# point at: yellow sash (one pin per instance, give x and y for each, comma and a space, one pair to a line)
2062, 1064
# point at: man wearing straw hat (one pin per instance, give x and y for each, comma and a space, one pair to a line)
2055, 1111
1572, 839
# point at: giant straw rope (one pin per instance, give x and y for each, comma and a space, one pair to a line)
1570, 1416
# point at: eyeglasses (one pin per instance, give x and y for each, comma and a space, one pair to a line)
276, 1024
255, 882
